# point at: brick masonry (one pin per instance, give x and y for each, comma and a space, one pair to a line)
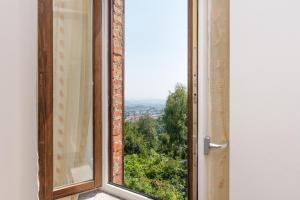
117, 45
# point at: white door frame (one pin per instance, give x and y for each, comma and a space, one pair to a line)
202, 97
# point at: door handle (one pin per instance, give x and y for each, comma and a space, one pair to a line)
208, 145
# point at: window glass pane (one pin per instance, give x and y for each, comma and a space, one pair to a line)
72, 91
155, 98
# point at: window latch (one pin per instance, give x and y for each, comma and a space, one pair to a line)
208, 145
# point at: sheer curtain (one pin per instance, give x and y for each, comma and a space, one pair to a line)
72, 91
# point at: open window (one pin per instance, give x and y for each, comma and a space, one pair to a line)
118, 98
69, 97
152, 115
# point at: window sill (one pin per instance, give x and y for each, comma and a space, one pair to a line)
97, 195
109, 192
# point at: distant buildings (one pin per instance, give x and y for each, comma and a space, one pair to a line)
135, 112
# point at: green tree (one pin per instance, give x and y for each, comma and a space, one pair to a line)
134, 141
155, 160
175, 121
147, 127
156, 175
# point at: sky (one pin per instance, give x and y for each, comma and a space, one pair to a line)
155, 47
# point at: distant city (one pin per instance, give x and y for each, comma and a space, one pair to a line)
135, 109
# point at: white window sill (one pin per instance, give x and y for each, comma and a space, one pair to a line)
97, 196
103, 196
110, 192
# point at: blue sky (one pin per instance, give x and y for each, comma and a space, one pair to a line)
155, 47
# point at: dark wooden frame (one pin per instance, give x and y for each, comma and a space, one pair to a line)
192, 99
45, 103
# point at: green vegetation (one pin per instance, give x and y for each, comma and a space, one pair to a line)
155, 161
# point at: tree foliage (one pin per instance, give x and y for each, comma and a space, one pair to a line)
155, 161
175, 121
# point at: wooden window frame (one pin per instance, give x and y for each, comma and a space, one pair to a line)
192, 106
45, 104
193, 99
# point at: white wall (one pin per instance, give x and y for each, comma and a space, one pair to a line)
18, 68
265, 100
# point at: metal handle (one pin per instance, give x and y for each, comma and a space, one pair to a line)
208, 145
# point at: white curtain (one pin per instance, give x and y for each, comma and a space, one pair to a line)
73, 91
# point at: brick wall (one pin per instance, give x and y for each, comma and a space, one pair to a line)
117, 89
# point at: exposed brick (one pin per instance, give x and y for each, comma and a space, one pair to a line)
118, 59
117, 138
117, 134
119, 3
117, 89
118, 50
118, 19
